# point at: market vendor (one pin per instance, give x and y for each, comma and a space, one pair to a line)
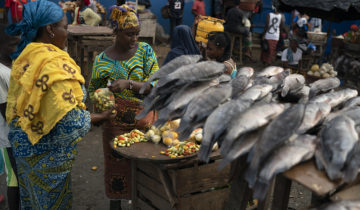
352, 34
85, 15
292, 56
127, 64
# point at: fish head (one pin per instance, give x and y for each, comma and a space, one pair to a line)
245, 71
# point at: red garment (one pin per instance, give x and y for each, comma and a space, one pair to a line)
268, 57
16, 7
86, 2
199, 7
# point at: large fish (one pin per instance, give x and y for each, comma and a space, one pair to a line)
252, 119
352, 102
340, 205
245, 71
292, 83
255, 92
275, 80
351, 112
275, 134
314, 114
239, 84
217, 122
352, 164
171, 67
338, 138
336, 98
201, 107
293, 152
270, 71
323, 85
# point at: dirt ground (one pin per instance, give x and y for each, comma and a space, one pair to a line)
88, 186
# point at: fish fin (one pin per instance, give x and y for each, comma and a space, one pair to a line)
185, 133
285, 91
204, 153
260, 190
251, 173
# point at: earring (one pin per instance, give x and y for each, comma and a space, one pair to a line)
52, 35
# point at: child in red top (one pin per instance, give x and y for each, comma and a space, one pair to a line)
16, 7
198, 8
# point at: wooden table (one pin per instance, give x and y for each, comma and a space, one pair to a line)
160, 182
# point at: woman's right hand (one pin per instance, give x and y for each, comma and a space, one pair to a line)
119, 85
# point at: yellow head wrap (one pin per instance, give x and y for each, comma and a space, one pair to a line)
123, 17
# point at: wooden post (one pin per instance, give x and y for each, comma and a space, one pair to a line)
281, 193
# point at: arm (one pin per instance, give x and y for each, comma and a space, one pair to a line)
99, 77
282, 24
97, 118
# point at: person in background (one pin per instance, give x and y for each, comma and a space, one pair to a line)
8, 46
292, 56
218, 48
85, 15
274, 23
176, 12
198, 8
127, 64
45, 108
16, 8
182, 43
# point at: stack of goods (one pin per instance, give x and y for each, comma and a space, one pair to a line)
205, 25
251, 113
182, 149
127, 139
325, 71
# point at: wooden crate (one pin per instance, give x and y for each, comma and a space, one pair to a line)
192, 186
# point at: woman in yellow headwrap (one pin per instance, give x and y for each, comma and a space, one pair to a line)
127, 63
45, 108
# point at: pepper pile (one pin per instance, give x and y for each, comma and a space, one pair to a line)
104, 99
127, 139
182, 149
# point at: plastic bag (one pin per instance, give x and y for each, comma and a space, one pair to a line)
103, 99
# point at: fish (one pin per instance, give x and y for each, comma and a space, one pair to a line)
217, 122
291, 153
239, 84
276, 133
352, 164
255, 92
224, 78
251, 119
245, 71
323, 85
241, 146
201, 107
314, 114
270, 71
179, 101
338, 138
336, 98
292, 83
352, 102
340, 205
171, 67
351, 112
275, 80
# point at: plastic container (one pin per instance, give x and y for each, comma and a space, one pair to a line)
206, 25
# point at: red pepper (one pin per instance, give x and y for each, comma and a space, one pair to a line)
121, 138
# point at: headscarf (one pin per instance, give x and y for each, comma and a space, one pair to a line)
35, 15
182, 43
123, 17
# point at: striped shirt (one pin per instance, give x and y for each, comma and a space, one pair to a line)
138, 68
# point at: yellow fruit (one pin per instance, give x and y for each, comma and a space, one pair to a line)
315, 67
168, 141
166, 134
174, 135
176, 142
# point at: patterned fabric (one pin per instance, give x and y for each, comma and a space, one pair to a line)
138, 68
45, 84
268, 57
10, 173
123, 17
44, 169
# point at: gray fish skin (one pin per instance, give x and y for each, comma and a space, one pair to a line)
270, 71
224, 78
171, 67
352, 102
240, 147
352, 164
245, 71
292, 83
293, 152
275, 134
255, 92
217, 122
276, 80
323, 85
202, 71
351, 112
239, 84
314, 114
201, 107
335, 98
252, 119
338, 138
341, 205
180, 100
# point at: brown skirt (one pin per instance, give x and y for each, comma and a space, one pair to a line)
117, 168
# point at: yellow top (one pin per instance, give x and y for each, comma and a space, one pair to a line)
91, 18
45, 84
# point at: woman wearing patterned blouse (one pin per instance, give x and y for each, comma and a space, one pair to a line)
127, 64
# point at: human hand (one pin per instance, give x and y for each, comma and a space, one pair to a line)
119, 85
109, 114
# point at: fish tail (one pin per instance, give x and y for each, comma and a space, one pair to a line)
224, 162
333, 172
260, 190
350, 174
184, 132
251, 173
284, 91
204, 153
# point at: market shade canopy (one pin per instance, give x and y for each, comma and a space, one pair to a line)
332, 10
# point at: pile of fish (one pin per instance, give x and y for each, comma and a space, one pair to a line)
273, 117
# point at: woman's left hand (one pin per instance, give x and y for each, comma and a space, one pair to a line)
119, 85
